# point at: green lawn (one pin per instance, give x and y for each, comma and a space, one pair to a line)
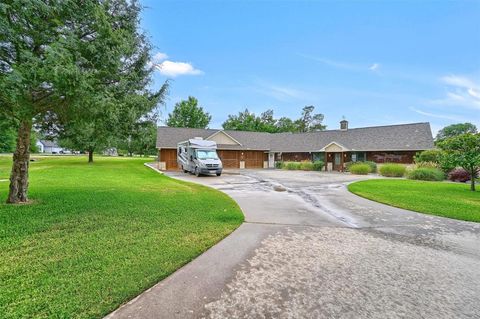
98, 235
453, 200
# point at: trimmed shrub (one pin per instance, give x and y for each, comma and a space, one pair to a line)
292, 165
459, 175
318, 166
306, 166
279, 164
360, 169
428, 156
392, 170
373, 166
426, 174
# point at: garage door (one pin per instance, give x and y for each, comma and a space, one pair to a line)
169, 156
254, 159
230, 159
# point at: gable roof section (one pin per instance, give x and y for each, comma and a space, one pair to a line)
403, 137
340, 146
226, 135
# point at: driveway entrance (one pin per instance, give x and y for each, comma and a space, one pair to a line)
310, 249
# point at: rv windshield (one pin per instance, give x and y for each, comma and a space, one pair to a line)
207, 154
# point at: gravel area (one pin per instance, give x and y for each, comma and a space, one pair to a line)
332, 272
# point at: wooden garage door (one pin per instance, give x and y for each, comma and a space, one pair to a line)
254, 159
170, 158
230, 159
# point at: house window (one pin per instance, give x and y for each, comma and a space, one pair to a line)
358, 157
319, 157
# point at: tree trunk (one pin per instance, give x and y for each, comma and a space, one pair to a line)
90, 156
21, 159
472, 180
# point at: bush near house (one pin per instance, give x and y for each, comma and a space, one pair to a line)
360, 169
393, 170
427, 165
318, 165
291, 166
372, 165
428, 156
426, 174
459, 175
279, 164
306, 166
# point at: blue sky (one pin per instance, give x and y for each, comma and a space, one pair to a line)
374, 62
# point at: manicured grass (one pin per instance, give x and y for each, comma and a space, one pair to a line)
97, 235
453, 200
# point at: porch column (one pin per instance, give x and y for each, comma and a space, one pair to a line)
341, 162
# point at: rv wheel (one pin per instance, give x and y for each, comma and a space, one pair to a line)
184, 170
218, 174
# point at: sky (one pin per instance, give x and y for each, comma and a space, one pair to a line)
372, 62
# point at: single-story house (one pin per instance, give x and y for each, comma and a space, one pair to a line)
46, 146
241, 149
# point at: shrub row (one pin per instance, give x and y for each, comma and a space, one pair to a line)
372, 165
304, 166
360, 169
426, 174
393, 170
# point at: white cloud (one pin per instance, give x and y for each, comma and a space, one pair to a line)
343, 65
460, 81
280, 92
159, 56
438, 116
173, 69
461, 91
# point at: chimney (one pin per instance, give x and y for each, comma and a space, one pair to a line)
344, 125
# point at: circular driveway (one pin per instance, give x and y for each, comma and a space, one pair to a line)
310, 249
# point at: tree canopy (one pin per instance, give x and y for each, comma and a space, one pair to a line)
72, 68
455, 130
266, 122
188, 113
464, 151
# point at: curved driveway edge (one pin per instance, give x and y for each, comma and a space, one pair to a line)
316, 250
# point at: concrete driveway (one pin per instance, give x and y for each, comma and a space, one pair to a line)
310, 249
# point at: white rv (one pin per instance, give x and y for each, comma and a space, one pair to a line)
198, 156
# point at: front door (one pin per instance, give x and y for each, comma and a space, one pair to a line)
271, 160
337, 161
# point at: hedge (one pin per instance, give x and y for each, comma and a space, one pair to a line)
392, 170
360, 169
426, 174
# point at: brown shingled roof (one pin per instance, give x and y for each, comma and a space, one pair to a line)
408, 137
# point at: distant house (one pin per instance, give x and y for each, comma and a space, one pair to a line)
240, 149
51, 147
